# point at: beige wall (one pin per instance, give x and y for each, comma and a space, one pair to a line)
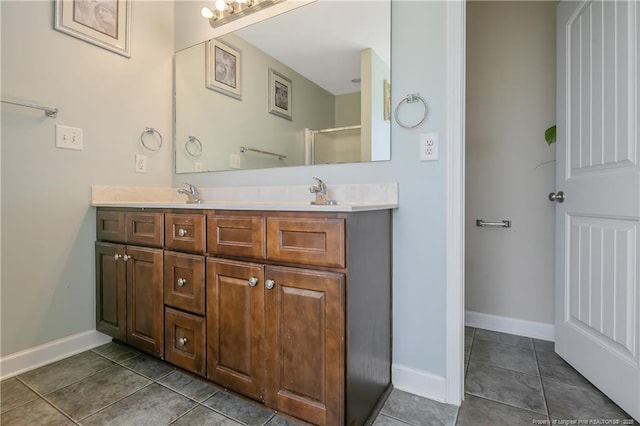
48, 283
510, 102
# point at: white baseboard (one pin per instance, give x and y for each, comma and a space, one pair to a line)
419, 382
536, 330
20, 362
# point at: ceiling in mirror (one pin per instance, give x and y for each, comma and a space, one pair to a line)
312, 88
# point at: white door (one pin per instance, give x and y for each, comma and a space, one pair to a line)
598, 244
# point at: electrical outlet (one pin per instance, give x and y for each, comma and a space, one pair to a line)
141, 163
234, 161
429, 146
68, 137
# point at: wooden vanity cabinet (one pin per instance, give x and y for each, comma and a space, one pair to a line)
289, 308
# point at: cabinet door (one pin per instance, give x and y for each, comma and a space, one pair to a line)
305, 344
110, 226
235, 325
111, 290
145, 313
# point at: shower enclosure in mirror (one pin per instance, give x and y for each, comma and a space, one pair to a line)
312, 91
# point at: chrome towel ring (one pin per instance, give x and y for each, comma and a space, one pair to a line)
193, 147
410, 99
147, 135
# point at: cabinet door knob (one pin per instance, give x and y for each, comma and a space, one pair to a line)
182, 232
253, 281
269, 284
127, 257
182, 341
117, 256
181, 282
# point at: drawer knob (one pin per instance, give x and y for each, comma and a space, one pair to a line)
182, 341
269, 284
117, 256
181, 282
127, 257
182, 232
253, 281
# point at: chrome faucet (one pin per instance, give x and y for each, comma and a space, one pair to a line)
321, 193
192, 193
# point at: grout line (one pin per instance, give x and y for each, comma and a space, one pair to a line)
115, 402
42, 397
544, 395
196, 405
502, 368
406, 422
505, 404
185, 395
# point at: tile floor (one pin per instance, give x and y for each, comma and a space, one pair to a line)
510, 380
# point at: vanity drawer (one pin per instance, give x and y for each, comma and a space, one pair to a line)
236, 235
144, 228
185, 232
185, 340
184, 281
309, 241
138, 228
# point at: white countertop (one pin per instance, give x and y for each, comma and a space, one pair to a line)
349, 198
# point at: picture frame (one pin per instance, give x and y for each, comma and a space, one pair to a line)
280, 95
104, 23
223, 69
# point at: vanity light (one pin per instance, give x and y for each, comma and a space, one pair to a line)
230, 10
206, 13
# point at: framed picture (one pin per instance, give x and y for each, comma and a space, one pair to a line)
280, 95
223, 68
105, 23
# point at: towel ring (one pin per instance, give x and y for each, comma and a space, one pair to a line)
151, 131
193, 147
410, 99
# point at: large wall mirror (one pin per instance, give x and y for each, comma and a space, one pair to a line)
310, 86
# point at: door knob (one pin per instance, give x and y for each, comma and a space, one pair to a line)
253, 281
556, 196
269, 284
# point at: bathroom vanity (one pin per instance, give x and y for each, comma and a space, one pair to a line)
289, 308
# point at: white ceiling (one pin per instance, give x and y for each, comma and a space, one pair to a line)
323, 40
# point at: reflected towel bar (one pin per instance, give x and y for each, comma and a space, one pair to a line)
49, 111
504, 224
246, 148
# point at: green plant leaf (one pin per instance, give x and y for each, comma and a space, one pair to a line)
550, 135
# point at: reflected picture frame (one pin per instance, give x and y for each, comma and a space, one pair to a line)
223, 68
280, 95
104, 23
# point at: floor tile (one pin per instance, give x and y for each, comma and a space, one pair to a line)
203, 416
518, 358
14, 394
34, 413
572, 402
383, 420
98, 391
507, 386
64, 372
419, 411
148, 367
238, 409
476, 411
196, 389
509, 339
555, 368
116, 352
544, 345
152, 405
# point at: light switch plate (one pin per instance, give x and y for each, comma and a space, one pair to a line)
68, 137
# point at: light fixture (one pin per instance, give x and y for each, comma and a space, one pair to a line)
230, 10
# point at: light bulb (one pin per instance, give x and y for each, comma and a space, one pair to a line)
221, 5
241, 1
206, 13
